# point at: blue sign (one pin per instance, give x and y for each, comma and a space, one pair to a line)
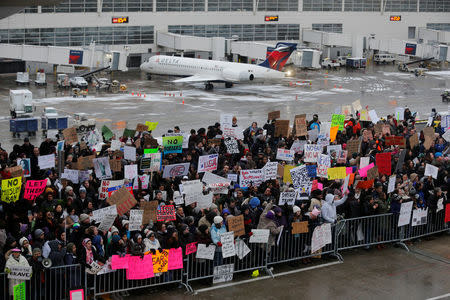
410, 49
76, 57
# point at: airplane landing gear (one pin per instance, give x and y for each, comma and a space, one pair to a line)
149, 76
228, 85
209, 86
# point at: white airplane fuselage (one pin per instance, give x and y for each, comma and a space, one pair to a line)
216, 71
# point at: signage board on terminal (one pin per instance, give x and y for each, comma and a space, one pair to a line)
120, 20
395, 18
271, 18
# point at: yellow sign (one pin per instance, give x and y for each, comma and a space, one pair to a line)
287, 174
336, 173
151, 125
364, 115
161, 261
11, 189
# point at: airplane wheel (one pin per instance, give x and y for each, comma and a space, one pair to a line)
149, 77
209, 86
228, 85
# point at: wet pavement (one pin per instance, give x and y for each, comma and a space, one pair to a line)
389, 273
190, 106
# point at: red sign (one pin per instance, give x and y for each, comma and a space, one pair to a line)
166, 213
395, 18
395, 140
383, 161
119, 20
271, 18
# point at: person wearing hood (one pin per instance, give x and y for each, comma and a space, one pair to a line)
15, 260
88, 254
39, 238
329, 207
151, 242
186, 237
57, 253
267, 221
25, 247
137, 247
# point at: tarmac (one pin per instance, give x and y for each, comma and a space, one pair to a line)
388, 273
189, 106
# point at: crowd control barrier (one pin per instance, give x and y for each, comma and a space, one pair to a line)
57, 282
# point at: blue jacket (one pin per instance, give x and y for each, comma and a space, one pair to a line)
215, 233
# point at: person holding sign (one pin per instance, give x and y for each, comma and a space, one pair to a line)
16, 259
329, 207
267, 221
216, 230
88, 258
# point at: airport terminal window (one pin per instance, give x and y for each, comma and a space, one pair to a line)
31, 10
127, 5
230, 5
277, 5
72, 6
245, 32
336, 28
180, 5
79, 36
434, 5
362, 5
436, 26
401, 5
322, 5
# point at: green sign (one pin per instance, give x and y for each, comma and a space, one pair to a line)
173, 144
107, 133
19, 291
338, 120
129, 133
154, 150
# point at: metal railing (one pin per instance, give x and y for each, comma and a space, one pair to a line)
56, 282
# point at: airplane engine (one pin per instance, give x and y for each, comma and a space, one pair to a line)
235, 76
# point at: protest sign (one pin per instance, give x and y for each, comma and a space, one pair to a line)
446, 135
102, 168
399, 113
447, 213
419, 217
333, 133
25, 164
334, 148
413, 141
285, 154
141, 127
173, 144
298, 146
20, 272
311, 152
155, 164
106, 185
281, 128
336, 173
11, 189
431, 170
160, 261
232, 145
287, 173
99, 214
311, 170
395, 140
86, 162
313, 134
149, 209
323, 163
383, 161
364, 115
214, 181
140, 268
107, 222
251, 177
273, 115
260, 236
241, 249
129, 153
34, 188
20, 292
232, 177
365, 184
405, 213
150, 143
130, 171
391, 185
223, 273
364, 162
345, 185
205, 252
16, 171
151, 125
270, 170
107, 133
46, 161
115, 165
363, 171
236, 225
372, 173
70, 135
300, 125
136, 216
357, 105
71, 175
226, 120
191, 248
287, 198
192, 190
321, 237
115, 145
175, 259
227, 240
123, 199
300, 227
338, 120
400, 161
346, 110
176, 170
166, 213
353, 146
373, 116
143, 180
207, 163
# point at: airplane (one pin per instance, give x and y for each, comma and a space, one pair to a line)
209, 71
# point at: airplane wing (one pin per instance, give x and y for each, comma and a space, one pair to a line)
201, 78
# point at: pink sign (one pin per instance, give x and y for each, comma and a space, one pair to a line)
118, 262
191, 248
363, 171
76, 295
316, 185
140, 268
34, 188
175, 259
349, 170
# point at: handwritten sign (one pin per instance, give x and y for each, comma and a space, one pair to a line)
251, 177
287, 198
175, 259
166, 213
338, 120
34, 188
140, 268
136, 216
176, 170
70, 135
312, 151
149, 209
205, 252
300, 125
405, 213
300, 227
260, 236
227, 240
11, 189
285, 154
273, 115
208, 163
46, 161
281, 128
191, 248
223, 273
321, 237
123, 199
236, 225
102, 168
337, 173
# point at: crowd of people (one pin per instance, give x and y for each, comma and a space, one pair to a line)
58, 225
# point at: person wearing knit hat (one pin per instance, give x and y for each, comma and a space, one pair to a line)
216, 230
151, 242
267, 221
296, 209
84, 218
15, 260
68, 189
26, 247
254, 202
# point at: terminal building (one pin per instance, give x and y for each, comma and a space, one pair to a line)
133, 25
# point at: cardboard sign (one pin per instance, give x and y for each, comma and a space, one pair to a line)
357, 105
431, 170
214, 142
413, 141
405, 213
34, 188
141, 127
287, 198
205, 251
107, 133
300, 125
70, 135
260, 236
321, 237
86, 162
270, 170
372, 173
123, 200
102, 168
208, 163
227, 240
281, 128
46, 161
395, 140
300, 227
273, 115
149, 209
136, 216
285, 154
129, 153
236, 224
223, 273
11, 189
115, 165
166, 213
16, 171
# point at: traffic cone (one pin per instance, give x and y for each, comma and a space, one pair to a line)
132, 93
340, 86
334, 86
182, 102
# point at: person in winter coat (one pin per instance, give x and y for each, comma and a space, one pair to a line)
57, 253
25, 247
329, 207
37, 279
151, 242
138, 247
186, 237
216, 230
71, 259
203, 235
88, 254
267, 221
15, 260
316, 196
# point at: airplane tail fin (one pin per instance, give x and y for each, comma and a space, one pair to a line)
278, 56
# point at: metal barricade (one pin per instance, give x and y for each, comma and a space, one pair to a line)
367, 231
434, 224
